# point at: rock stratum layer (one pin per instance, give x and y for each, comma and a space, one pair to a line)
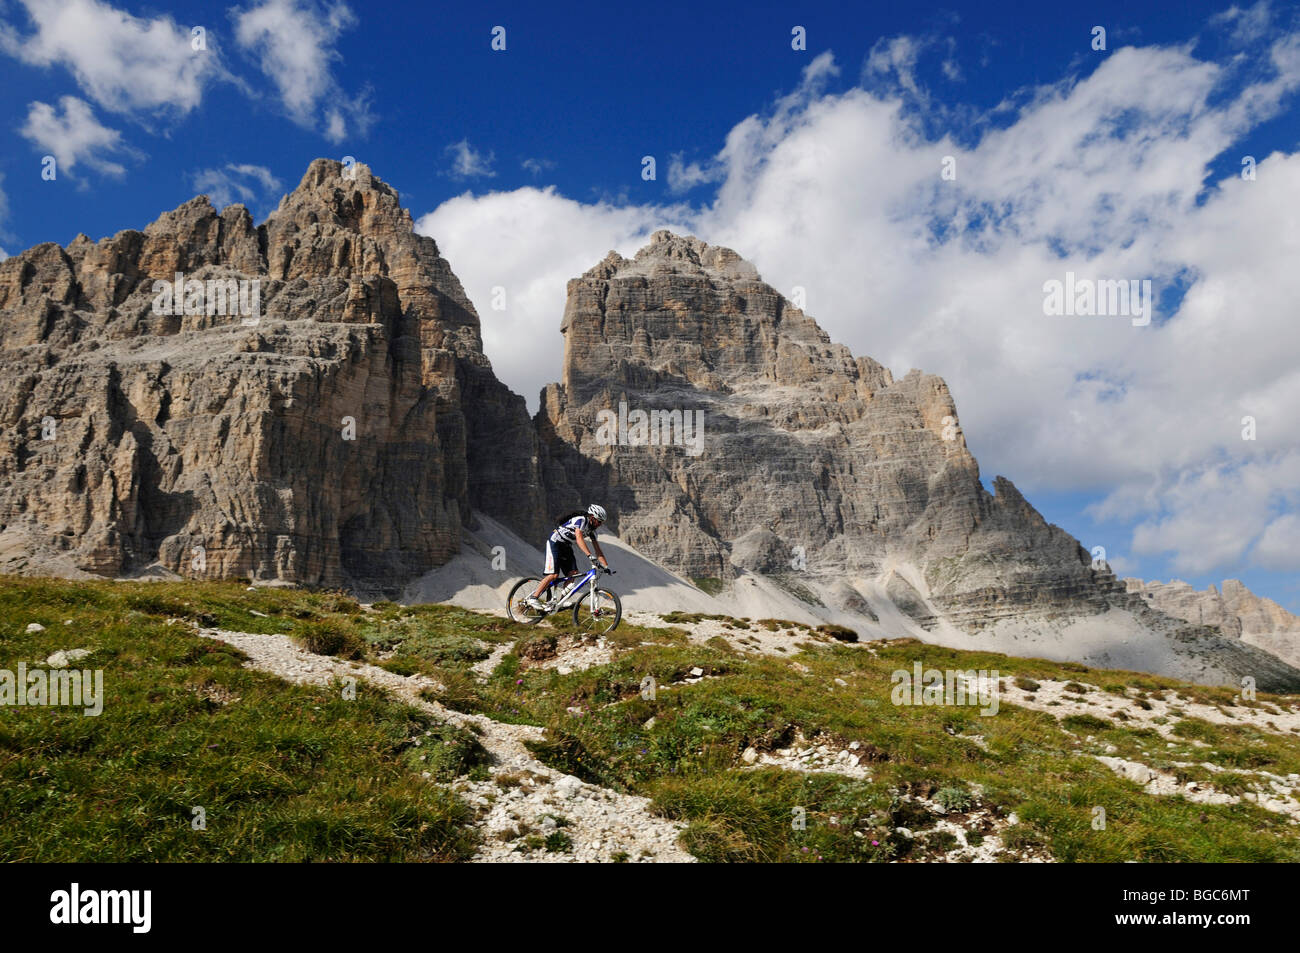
343, 438
348, 430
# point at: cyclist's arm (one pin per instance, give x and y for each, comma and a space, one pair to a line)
587, 551
599, 553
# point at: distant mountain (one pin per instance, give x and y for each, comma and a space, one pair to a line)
1235, 610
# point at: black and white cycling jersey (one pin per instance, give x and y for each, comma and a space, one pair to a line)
567, 532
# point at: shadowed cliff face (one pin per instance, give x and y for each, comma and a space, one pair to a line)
340, 434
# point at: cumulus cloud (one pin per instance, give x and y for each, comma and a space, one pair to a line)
468, 163
122, 62
683, 176
234, 182
1278, 546
1105, 174
529, 243
293, 41
75, 136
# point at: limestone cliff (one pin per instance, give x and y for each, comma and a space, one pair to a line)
341, 434
1235, 610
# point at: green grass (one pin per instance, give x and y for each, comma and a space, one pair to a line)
281, 772
291, 773
709, 584
1036, 766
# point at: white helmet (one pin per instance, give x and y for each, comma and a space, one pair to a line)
596, 512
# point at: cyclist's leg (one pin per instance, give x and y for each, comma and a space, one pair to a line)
549, 574
564, 564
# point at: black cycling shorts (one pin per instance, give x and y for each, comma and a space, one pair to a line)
559, 558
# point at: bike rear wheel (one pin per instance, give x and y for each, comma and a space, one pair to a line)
516, 606
602, 617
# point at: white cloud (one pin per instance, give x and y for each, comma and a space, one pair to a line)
233, 182
1208, 515
683, 177
468, 162
75, 137
537, 166
530, 242
294, 43
124, 63
1247, 24
1106, 175
1279, 546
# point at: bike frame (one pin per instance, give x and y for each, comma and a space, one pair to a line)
588, 580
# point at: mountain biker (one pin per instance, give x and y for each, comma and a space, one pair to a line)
575, 527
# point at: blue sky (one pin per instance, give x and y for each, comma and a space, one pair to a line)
819, 165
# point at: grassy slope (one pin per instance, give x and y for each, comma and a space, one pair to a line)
292, 773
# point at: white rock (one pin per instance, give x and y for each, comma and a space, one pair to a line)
61, 658
854, 745
568, 786
35, 627
841, 682
650, 723
697, 671
67, 622
750, 755
563, 669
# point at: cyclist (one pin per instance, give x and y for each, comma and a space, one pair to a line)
576, 527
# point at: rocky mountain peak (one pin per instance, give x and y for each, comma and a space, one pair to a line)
309, 403
671, 254
350, 197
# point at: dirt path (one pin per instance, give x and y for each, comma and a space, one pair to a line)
525, 802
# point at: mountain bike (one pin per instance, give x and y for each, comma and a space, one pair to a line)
595, 610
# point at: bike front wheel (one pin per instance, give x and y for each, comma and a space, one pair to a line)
517, 606
598, 612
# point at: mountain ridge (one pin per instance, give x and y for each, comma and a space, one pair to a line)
351, 430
